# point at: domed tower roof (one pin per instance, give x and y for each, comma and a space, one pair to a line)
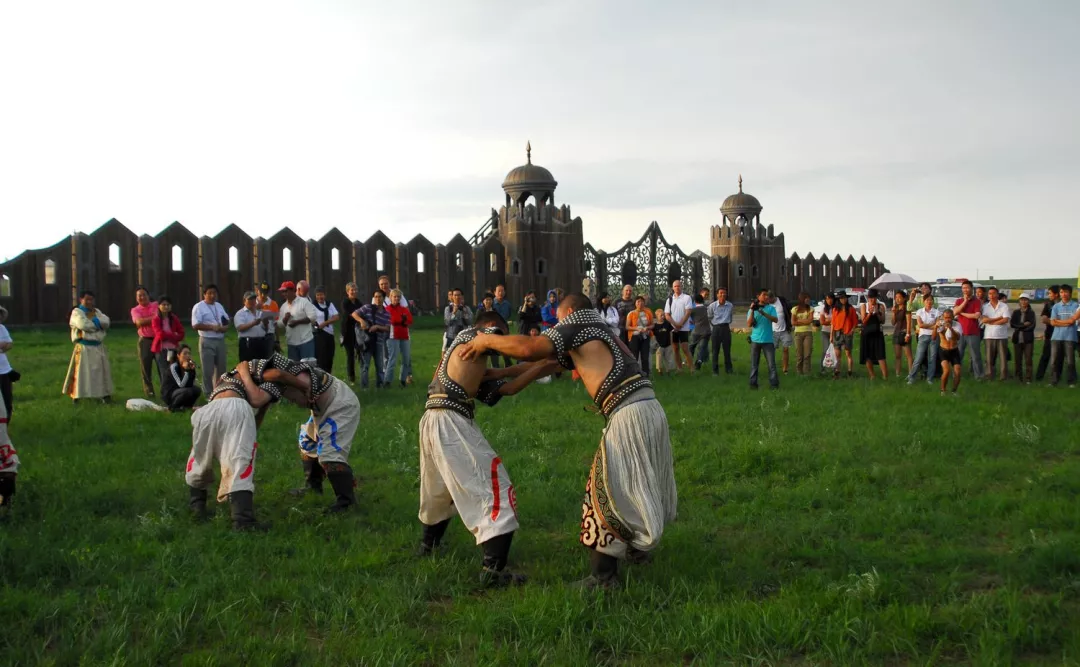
741, 203
531, 179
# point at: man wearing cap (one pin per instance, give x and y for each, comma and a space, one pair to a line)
268, 314
1022, 323
995, 317
249, 329
296, 316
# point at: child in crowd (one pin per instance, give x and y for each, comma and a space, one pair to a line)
949, 333
665, 354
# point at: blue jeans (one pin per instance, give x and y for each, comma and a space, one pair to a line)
394, 348
1062, 352
975, 343
375, 352
302, 351
770, 358
928, 345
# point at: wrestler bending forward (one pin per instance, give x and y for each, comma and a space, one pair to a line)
459, 471
630, 492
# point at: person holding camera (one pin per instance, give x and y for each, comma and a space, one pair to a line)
761, 318
179, 390
529, 315
211, 321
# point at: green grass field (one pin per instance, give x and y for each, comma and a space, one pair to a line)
842, 522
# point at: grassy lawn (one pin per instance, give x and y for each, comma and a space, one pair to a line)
842, 522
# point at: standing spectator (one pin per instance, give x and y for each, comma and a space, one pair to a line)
1052, 293
529, 315
457, 317
950, 335
610, 315
825, 324
677, 311
925, 321
400, 321
761, 318
7, 374
376, 322
267, 305
916, 301
702, 333
995, 319
872, 345
326, 314
487, 304
549, 314
384, 285
1023, 325
249, 329
967, 311
302, 289
802, 319
504, 309
781, 331
901, 337
211, 321
449, 302
296, 316
142, 316
662, 331
624, 304
349, 305
720, 313
178, 388
1063, 317
89, 374
168, 332
639, 326
917, 298
844, 320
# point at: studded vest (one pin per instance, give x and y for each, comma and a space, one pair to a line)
320, 379
445, 394
231, 382
625, 377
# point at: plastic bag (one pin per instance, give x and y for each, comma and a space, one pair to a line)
830, 357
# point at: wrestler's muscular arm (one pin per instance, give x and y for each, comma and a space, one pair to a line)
257, 398
526, 348
534, 372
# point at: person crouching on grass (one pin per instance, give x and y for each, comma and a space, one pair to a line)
179, 391
460, 473
949, 333
630, 492
225, 429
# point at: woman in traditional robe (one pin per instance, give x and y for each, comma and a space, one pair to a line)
89, 375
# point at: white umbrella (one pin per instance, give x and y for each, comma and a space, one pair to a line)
894, 281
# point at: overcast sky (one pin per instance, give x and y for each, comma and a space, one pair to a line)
939, 136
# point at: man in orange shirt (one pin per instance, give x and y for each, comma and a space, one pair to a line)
263, 303
844, 319
638, 327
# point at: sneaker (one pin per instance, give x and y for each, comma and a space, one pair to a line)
942, 392
911, 381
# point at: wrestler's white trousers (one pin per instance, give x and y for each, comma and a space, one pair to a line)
460, 473
329, 437
630, 494
223, 429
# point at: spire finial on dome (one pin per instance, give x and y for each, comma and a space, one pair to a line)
528, 151
740, 183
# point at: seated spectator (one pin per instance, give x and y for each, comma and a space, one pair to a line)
168, 332
179, 391
665, 354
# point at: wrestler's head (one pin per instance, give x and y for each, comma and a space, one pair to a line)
572, 303
491, 319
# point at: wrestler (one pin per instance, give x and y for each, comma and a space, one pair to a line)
630, 493
460, 473
225, 429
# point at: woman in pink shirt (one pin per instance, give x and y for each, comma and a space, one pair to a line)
168, 332
142, 316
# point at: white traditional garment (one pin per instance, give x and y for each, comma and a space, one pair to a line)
89, 374
9, 458
328, 436
630, 494
461, 474
223, 429
142, 405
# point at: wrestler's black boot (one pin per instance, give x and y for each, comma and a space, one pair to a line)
243, 512
7, 493
313, 477
341, 479
605, 572
431, 538
197, 503
496, 553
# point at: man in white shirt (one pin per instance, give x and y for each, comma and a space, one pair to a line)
211, 321
924, 320
296, 317
782, 337
302, 290
677, 310
249, 329
995, 316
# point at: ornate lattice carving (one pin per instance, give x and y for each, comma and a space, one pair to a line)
649, 264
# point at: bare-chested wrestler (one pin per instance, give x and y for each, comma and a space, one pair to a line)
460, 473
630, 493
